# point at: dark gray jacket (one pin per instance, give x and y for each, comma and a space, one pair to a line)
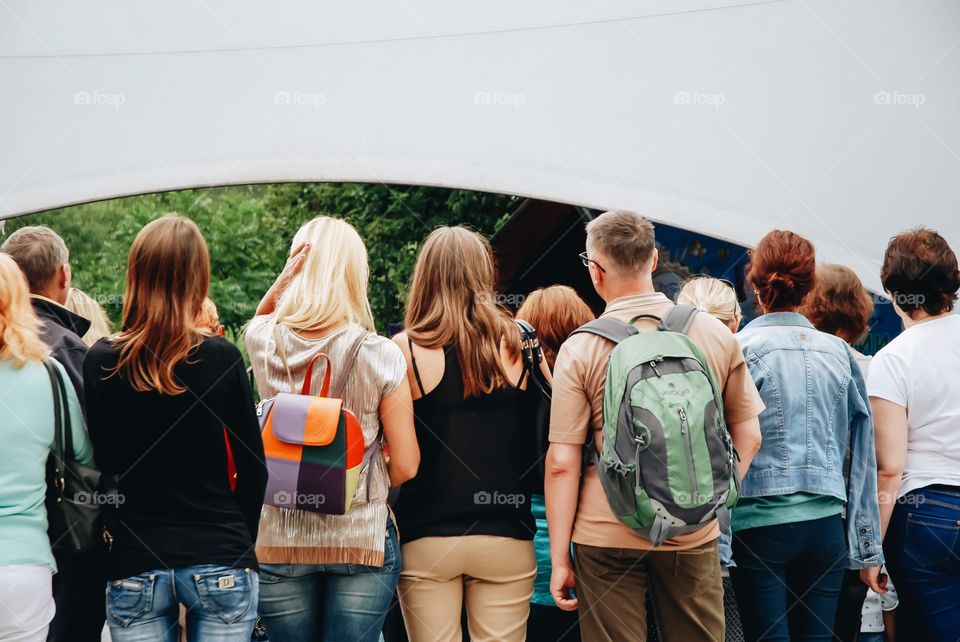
61, 331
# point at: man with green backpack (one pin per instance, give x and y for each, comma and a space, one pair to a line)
658, 398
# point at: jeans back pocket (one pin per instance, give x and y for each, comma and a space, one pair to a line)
226, 593
931, 541
130, 599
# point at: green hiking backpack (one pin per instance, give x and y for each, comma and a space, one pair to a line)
668, 465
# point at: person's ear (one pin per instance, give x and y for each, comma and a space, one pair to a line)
64, 277
656, 260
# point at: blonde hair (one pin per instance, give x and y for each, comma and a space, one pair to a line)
715, 297
555, 312
331, 288
79, 302
208, 319
19, 326
168, 273
451, 303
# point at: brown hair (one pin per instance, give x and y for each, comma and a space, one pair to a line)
19, 325
40, 253
555, 312
920, 272
782, 270
623, 237
839, 304
451, 302
168, 273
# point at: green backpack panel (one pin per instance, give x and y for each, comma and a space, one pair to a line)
667, 464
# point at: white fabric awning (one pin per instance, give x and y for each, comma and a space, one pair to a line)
836, 119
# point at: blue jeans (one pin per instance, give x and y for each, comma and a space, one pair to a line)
329, 602
788, 578
923, 557
221, 604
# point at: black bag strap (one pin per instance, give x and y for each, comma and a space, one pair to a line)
609, 329
679, 319
532, 353
58, 402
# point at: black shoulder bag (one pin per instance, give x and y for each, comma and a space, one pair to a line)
536, 403
74, 501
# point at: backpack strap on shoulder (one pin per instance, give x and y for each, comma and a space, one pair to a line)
679, 319
609, 329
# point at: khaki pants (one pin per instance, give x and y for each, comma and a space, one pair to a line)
611, 586
492, 576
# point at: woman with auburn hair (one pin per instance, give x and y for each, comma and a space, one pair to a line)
159, 395
465, 520
716, 297
790, 541
27, 433
555, 312
913, 392
323, 576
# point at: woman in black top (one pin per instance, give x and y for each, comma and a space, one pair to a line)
465, 524
163, 401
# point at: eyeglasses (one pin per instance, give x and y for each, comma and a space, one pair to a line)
587, 261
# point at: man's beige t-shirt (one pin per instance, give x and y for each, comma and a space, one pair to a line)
577, 405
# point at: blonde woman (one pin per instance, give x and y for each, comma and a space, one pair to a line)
716, 297
79, 302
465, 522
332, 577
159, 395
26, 431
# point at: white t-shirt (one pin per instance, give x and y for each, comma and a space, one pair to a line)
920, 370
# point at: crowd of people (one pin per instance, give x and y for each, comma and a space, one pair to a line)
499, 485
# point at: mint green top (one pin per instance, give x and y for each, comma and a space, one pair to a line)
26, 438
753, 512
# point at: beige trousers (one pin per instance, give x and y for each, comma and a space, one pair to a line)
492, 576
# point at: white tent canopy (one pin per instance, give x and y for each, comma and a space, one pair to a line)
835, 119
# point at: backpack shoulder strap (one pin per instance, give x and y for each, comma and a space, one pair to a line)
609, 329
679, 319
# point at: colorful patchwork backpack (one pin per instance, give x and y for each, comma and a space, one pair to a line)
314, 446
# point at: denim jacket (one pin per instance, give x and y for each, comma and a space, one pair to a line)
816, 423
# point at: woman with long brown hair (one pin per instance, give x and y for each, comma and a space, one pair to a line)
27, 433
159, 396
465, 521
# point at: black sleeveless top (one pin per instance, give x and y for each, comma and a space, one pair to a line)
475, 463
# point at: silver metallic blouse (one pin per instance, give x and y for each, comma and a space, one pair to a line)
301, 537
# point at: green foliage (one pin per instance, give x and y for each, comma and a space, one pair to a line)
249, 229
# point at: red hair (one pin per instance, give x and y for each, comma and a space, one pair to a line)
554, 312
782, 270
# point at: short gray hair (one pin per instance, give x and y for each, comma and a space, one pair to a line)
623, 237
40, 253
